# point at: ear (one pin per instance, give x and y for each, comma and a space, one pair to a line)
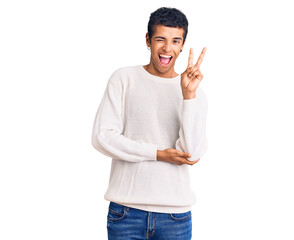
182, 47
148, 42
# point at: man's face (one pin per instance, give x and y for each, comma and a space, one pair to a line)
166, 44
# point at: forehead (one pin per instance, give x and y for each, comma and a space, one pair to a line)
168, 32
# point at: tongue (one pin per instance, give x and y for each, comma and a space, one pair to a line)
164, 60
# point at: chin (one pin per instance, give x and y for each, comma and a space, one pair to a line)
165, 69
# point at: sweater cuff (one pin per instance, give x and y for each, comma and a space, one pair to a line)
192, 104
152, 152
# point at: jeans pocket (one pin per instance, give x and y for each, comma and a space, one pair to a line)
180, 216
116, 212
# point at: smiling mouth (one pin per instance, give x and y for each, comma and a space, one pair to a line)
164, 59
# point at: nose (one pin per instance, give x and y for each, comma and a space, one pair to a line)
167, 47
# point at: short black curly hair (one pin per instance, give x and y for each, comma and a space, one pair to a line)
169, 17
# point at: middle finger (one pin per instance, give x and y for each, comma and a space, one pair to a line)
200, 59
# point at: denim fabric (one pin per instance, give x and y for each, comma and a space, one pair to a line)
125, 223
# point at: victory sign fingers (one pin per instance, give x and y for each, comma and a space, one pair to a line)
200, 59
191, 78
193, 70
191, 56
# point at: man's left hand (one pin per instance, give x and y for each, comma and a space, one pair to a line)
191, 78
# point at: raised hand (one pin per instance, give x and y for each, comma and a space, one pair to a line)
191, 78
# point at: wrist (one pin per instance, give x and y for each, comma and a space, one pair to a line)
159, 155
189, 95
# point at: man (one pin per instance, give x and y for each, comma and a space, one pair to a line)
151, 122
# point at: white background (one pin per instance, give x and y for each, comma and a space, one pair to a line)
56, 58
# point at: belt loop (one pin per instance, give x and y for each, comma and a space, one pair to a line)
127, 209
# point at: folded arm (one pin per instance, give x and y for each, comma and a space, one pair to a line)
192, 134
107, 130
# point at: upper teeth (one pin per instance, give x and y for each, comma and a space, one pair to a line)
164, 56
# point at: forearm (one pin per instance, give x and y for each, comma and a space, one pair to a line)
192, 133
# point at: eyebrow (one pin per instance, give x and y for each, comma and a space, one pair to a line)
178, 38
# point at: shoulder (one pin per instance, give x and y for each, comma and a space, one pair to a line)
121, 76
125, 71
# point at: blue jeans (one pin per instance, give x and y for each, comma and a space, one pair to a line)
125, 223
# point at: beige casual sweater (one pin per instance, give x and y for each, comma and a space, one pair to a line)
139, 114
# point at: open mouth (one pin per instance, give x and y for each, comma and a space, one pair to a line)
164, 59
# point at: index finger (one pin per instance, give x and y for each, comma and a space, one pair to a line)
190, 60
200, 59
192, 163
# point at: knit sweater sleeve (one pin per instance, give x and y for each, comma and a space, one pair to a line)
192, 134
107, 131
